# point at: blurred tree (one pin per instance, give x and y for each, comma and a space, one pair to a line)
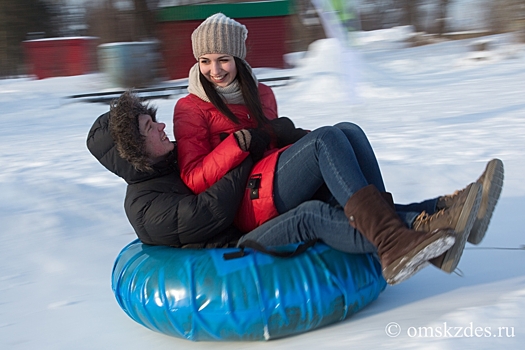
506, 15
442, 16
423, 15
122, 20
380, 14
18, 19
145, 15
305, 26
411, 14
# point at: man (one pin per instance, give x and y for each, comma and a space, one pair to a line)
130, 142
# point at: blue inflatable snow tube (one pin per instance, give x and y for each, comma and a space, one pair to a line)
198, 295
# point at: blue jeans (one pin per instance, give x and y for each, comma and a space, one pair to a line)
311, 220
315, 220
340, 158
324, 156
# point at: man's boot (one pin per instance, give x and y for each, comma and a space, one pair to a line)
460, 216
491, 182
402, 251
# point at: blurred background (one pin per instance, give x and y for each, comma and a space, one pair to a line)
45, 38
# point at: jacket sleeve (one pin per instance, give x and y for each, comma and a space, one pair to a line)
174, 218
286, 132
203, 216
201, 165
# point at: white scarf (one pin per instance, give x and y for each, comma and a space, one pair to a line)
231, 94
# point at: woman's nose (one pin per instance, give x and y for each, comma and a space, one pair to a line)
215, 68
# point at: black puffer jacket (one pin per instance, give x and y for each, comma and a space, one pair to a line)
159, 206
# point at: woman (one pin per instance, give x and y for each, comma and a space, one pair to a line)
228, 116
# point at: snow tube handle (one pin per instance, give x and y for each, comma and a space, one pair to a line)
301, 248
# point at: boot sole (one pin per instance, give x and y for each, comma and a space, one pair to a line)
466, 220
492, 186
408, 265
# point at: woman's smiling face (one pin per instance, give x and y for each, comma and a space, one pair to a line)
217, 68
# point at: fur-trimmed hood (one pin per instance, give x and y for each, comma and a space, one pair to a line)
101, 145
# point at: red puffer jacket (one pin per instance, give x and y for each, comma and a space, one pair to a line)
204, 159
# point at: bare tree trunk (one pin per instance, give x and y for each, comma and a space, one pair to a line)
144, 19
110, 24
410, 9
442, 17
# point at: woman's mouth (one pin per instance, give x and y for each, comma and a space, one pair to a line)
218, 78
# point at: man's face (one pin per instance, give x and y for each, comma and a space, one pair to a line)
157, 144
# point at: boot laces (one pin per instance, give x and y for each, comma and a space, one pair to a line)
424, 218
455, 194
449, 199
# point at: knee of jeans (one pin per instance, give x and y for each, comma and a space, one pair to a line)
312, 205
324, 129
348, 126
329, 133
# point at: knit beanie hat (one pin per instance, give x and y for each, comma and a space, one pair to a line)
219, 34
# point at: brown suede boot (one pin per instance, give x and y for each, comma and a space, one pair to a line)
402, 251
491, 182
387, 196
460, 217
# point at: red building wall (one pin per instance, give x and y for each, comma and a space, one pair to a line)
267, 23
265, 44
53, 57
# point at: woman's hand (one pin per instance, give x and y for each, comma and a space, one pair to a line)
286, 131
255, 141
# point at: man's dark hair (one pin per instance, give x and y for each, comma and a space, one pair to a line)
124, 128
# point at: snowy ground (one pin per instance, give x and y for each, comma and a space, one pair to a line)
435, 115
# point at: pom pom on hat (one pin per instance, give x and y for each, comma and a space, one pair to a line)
219, 34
